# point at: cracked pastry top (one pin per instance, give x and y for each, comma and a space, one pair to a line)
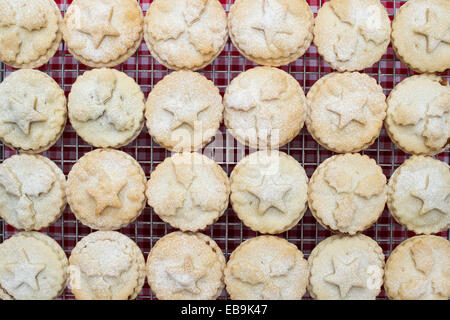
184, 111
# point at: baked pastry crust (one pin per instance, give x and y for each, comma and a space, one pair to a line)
271, 32
106, 189
185, 34
345, 111
32, 267
106, 108
30, 32
186, 266
32, 111
346, 267
106, 265
419, 195
184, 111
347, 193
418, 115
265, 108
352, 35
32, 191
189, 191
101, 33
418, 269
420, 35
268, 268
269, 191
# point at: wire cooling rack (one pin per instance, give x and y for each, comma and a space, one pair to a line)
228, 231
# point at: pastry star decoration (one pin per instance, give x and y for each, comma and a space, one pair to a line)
270, 194
10, 45
349, 107
433, 196
23, 113
346, 276
106, 192
185, 112
25, 272
435, 30
186, 276
103, 287
8, 16
29, 19
96, 22
272, 22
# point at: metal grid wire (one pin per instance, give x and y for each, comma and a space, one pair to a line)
228, 231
